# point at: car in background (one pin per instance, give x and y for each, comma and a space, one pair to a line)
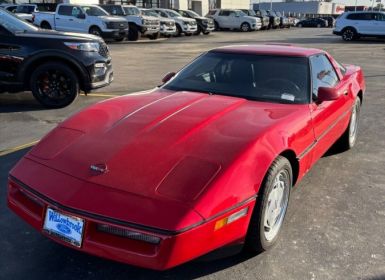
205, 25
265, 20
9, 7
283, 20
167, 25
353, 25
206, 160
234, 20
55, 66
83, 19
331, 21
184, 25
138, 24
274, 20
312, 22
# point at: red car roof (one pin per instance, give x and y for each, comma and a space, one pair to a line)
269, 49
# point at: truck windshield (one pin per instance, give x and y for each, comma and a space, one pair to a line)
193, 14
13, 24
131, 11
252, 13
114, 10
94, 11
263, 13
149, 13
249, 76
173, 13
278, 14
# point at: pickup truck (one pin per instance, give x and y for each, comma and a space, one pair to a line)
167, 25
138, 24
83, 19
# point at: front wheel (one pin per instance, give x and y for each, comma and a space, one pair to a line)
349, 34
95, 31
133, 33
245, 27
270, 210
54, 85
154, 36
349, 138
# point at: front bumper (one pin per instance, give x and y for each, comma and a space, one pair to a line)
173, 249
150, 29
189, 29
208, 28
167, 29
114, 33
101, 75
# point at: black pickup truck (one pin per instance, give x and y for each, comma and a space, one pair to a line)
265, 20
274, 20
55, 66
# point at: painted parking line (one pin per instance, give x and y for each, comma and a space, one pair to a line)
17, 148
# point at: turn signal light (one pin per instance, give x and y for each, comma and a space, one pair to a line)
232, 218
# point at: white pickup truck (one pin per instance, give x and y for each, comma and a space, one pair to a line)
83, 19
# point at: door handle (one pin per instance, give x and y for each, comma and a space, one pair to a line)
71, 19
57, 18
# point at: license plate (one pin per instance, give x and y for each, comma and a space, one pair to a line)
65, 227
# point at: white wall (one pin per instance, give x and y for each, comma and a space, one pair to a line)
235, 4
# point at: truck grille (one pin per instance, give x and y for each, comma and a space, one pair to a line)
103, 50
192, 23
168, 23
117, 25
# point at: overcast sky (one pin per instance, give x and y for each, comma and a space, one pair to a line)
346, 2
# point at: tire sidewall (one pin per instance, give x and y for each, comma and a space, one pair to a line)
55, 66
357, 107
245, 27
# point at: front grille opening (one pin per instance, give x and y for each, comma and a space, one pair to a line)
128, 234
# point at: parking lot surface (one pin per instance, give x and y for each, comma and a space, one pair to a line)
335, 226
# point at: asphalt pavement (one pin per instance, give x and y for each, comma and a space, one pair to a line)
335, 226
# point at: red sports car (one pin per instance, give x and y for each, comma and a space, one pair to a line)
206, 160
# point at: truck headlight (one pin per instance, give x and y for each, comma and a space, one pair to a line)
86, 47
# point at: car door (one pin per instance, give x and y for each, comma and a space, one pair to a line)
223, 18
67, 19
329, 118
366, 23
379, 25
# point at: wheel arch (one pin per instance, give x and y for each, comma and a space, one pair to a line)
360, 95
45, 22
27, 69
349, 27
94, 26
291, 156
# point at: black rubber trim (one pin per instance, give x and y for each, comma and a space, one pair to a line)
123, 223
313, 144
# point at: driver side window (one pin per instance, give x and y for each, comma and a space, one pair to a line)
323, 73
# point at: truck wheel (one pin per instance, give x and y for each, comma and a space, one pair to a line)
245, 27
217, 28
133, 33
206, 33
54, 85
154, 36
349, 34
178, 31
199, 31
94, 30
45, 25
270, 209
119, 39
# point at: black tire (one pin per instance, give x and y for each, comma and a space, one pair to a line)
299, 25
45, 25
318, 25
119, 39
256, 239
217, 28
188, 34
54, 85
178, 31
154, 36
349, 138
349, 34
199, 31
133, 33
245, 27
206, 32
94, 30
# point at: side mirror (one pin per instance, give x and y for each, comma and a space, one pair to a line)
327, 94
81, 16
168, 77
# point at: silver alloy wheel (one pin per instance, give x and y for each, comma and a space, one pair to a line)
348, 35
353, 127
245, 27
277, 203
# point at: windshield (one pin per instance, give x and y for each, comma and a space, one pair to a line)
252, 13
272, 13
278, 14
263, 13
23, 9
114, 10
131, 11
94, 11
173, 13
256, 77
14, 24
193, 14
239, 13
149, 13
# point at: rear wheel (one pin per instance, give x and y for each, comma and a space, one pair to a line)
54, 85
269, 212
349, 34
245, 27
45, 25
119, 39
95, 31
349, 138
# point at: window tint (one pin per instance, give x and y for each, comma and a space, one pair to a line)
323, 73
212, 12
380, 17
224, 13
76, 11
361, 16
65, 10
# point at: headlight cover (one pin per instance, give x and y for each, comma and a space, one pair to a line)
86, 47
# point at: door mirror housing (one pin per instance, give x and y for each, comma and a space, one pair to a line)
81, 16
168, 77
327, 94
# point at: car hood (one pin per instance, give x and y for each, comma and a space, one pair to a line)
112, 18
52, 34
153, 145
186, 19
